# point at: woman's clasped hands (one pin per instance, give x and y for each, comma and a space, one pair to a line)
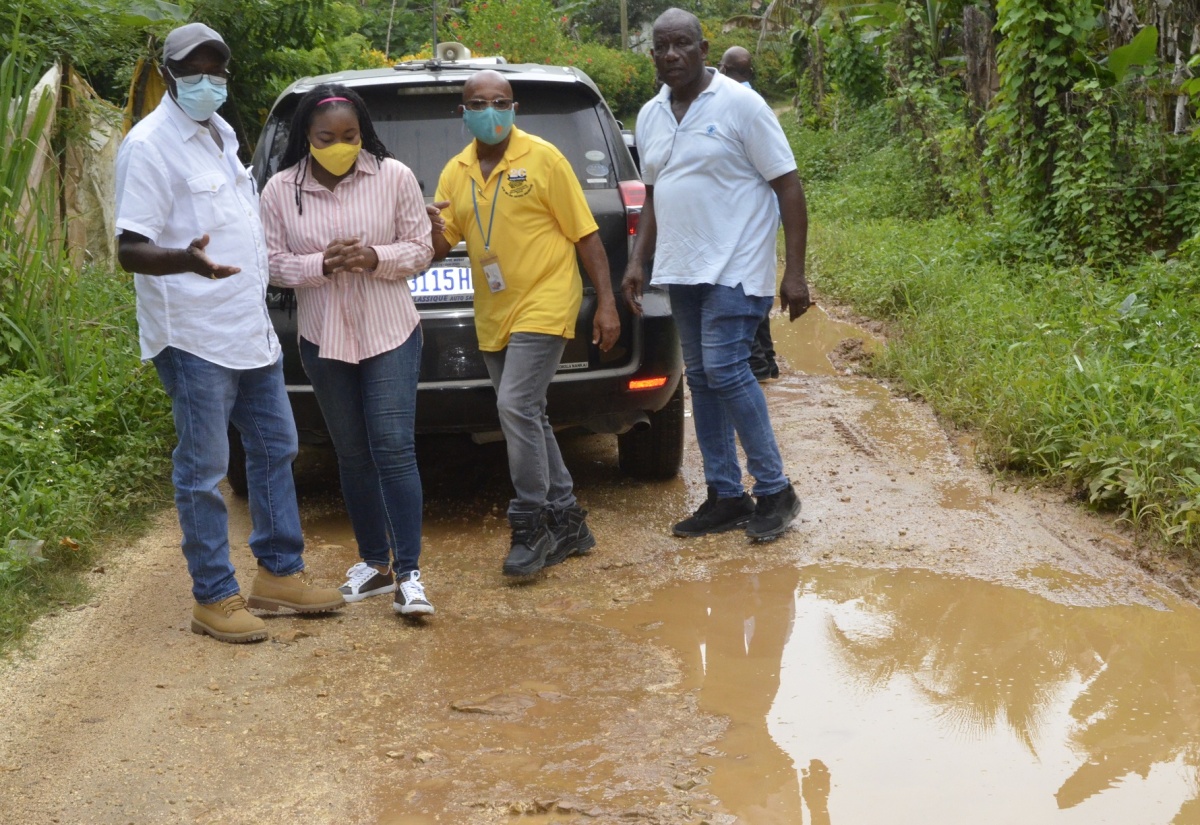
348, 255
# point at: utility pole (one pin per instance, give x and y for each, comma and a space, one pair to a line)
624, 26
387, 48
433, 7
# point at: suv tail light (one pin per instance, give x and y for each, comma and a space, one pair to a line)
648, 383
633, 195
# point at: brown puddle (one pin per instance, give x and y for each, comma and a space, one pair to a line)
806, 343
806, 346
851, 696
904, 696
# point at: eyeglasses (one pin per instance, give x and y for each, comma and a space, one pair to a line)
477, 104
218, 79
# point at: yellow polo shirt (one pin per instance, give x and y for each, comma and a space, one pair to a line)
540, 214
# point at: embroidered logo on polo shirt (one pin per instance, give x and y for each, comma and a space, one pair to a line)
518, 185
710, 129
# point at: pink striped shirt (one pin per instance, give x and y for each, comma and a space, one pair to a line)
350, 316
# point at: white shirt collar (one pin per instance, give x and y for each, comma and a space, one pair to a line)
189, 128
664, 94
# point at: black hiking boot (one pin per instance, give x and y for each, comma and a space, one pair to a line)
532, 541
571, 534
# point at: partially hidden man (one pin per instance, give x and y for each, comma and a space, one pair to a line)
188, 226
519, 205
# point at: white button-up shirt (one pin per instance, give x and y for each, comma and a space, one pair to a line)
717, 215
175, 184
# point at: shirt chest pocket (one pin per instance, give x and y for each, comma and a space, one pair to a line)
213, 201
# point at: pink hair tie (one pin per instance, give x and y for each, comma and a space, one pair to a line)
331, 99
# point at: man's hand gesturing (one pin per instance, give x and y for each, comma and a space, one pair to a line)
204, 265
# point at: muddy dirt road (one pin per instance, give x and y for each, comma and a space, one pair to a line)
922, 648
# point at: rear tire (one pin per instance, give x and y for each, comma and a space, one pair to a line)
236, 472
655, 452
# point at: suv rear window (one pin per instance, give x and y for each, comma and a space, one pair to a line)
423, 129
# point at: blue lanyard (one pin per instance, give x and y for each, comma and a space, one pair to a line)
487, 241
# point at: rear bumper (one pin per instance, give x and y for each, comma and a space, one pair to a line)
597, 400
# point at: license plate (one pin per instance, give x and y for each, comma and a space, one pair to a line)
448, 280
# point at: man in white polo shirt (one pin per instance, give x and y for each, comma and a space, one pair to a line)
187, 225
715, 161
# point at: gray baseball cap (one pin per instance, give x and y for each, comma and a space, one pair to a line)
184, 40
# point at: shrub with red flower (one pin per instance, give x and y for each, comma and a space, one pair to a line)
521, 31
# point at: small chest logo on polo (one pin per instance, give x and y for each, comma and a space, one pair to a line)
711, 130
518, 184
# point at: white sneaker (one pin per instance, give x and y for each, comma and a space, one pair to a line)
410, 596
363, 581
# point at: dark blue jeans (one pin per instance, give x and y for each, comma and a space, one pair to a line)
371, 411
716, 325
205, 399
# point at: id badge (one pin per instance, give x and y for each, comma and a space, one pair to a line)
491, 271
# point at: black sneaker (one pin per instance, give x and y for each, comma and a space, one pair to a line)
571, 534
717, 515
766, 371
774, 514
532, 542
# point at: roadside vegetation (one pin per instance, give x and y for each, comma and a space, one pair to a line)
1021, 209
83, 429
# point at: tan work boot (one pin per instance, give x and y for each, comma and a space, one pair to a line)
295, 592
228, 621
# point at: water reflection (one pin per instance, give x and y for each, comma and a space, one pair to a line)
730, 633
814, 787
852, 697
927, 696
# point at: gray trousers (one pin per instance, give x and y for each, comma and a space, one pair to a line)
521, 374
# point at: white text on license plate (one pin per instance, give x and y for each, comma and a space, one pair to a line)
446, 280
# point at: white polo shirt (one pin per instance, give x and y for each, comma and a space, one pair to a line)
173, 185
716, 213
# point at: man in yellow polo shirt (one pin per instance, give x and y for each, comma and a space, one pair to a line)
518, 203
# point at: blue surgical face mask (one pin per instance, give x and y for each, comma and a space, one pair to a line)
746, 83
200, 101
491, 125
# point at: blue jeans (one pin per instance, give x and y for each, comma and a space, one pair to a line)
370, 409
716, 326
521, 374
205, 400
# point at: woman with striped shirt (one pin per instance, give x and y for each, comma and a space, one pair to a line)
346, 225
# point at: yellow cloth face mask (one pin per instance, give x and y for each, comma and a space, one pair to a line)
336, 159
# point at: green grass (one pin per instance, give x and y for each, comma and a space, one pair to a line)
1084, 375
84, 427
84, 454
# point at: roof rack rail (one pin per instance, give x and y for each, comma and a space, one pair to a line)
436, 65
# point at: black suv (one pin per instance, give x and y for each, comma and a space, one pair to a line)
634, 390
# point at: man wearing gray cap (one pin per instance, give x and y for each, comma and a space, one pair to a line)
188, 227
